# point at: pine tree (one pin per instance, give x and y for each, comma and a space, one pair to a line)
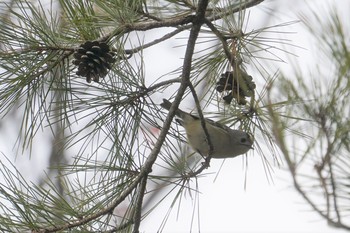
74, 73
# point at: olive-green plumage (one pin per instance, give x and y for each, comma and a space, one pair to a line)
226, 142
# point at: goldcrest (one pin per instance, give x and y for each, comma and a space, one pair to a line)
226, 142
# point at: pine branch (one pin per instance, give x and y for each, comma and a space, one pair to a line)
147, 167
117, 108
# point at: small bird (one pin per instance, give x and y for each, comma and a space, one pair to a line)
226, 142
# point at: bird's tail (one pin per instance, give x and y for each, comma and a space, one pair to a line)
167, 104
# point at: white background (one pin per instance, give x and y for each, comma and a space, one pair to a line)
224, 204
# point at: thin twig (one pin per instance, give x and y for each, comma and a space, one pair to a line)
223, 42
119, 228
143, 91
145, 26
240, 6
201, 117
280, 141
175, 22
156, 41
139, 201
205, 164
334, 191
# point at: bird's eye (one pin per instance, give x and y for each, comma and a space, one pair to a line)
243, 140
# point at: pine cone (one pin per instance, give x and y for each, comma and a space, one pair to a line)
245, 84
93, 59
238, 83
225, 82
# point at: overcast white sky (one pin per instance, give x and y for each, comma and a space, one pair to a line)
224, 205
